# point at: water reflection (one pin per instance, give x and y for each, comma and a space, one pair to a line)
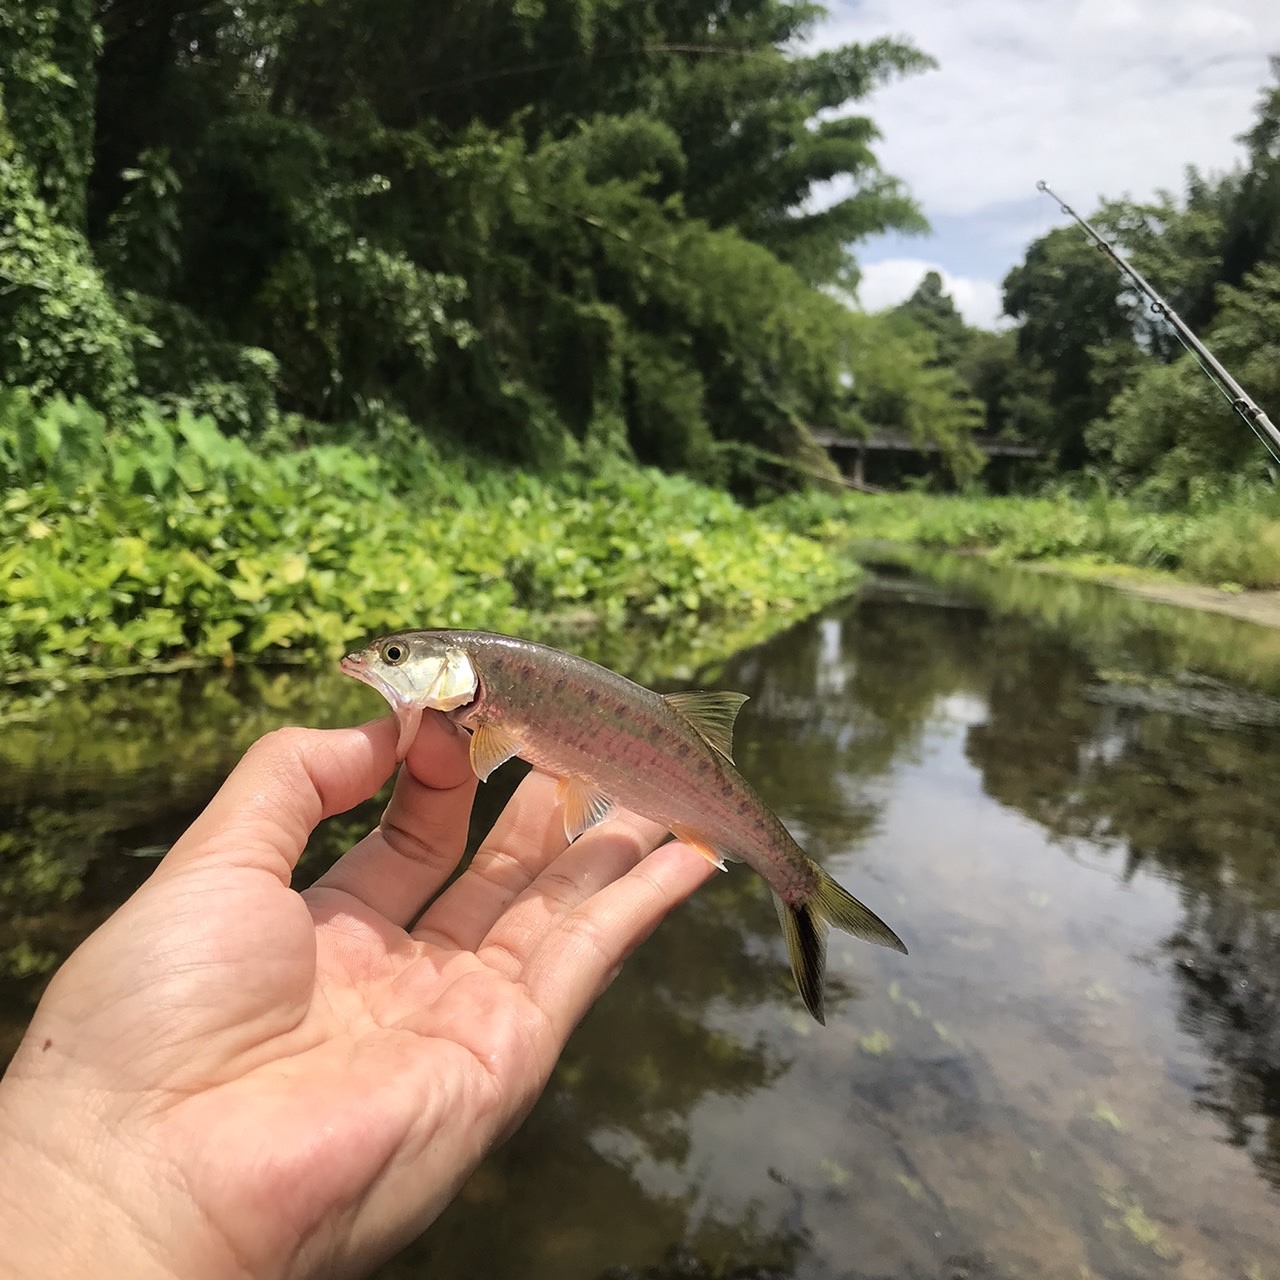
1075, 1073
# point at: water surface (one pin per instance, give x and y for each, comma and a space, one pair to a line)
1060, 799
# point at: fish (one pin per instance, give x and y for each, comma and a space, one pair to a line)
614, 743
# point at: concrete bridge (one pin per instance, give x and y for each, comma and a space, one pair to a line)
840, 446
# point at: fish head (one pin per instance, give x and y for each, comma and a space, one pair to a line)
415, 671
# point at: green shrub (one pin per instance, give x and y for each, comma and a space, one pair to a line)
60, 328
158, 539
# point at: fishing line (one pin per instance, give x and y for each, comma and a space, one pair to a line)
1235, 395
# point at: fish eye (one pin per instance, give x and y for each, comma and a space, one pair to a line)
394, 653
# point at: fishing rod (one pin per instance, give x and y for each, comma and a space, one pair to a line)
1239, 399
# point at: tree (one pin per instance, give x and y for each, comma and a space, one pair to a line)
1251, 233
1088, 336
900, 384
934, 310
760, 134
542, 225
47, 77
1014, 395
60, 327
1076, 325
1172, 432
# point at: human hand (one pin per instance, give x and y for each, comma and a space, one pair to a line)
231, 1078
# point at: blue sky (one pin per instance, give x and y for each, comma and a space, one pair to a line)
1101, 98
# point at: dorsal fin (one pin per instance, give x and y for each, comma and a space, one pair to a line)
710, 715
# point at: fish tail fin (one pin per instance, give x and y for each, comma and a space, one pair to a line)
805, 928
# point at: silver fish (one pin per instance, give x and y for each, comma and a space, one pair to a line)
611, 742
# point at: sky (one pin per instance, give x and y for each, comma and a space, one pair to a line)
1100, 98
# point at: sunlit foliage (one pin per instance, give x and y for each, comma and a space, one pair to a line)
542, 228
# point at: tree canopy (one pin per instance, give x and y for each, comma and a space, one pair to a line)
1116, 389
541, 226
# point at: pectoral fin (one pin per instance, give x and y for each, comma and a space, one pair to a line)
709, 715
490, 747
585, 806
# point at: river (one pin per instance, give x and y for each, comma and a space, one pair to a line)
1060, 798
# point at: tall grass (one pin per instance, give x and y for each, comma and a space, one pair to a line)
1232, 541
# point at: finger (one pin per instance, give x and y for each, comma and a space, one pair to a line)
283, 786
578, 958
397, 867
590, 864
528, 836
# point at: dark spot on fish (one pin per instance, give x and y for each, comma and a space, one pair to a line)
48, 1044
683, 750
558, 686
726, 791
592, 697
620, 709
655, 733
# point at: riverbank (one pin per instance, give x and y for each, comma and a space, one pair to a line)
1224, 558
1259, 606
158, 542
161, 543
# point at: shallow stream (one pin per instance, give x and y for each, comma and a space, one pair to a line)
1063, 800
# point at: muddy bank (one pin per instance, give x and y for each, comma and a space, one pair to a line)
1262, 607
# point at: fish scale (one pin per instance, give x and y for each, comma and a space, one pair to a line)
612, 741
627, 741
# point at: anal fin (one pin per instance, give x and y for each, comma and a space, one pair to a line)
585, 806
699, 844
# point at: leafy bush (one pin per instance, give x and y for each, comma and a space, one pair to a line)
187, 367
60, 328
158, 538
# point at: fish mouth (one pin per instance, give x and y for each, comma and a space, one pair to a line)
408, 716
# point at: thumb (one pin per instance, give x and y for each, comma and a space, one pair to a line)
284, 785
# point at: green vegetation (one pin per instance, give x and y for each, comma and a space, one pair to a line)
1134, 1219
158, 538
536, 227
1104, 1113
1089, 376
876, 1043
1225, 542
324, 319
1097, 380
320, 319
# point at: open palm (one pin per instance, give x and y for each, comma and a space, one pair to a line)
278, 1083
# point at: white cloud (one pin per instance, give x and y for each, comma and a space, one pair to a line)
1097, 96
1102, 98
894, 280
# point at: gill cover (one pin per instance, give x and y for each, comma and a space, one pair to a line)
415, 672
429, 682
451, 681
